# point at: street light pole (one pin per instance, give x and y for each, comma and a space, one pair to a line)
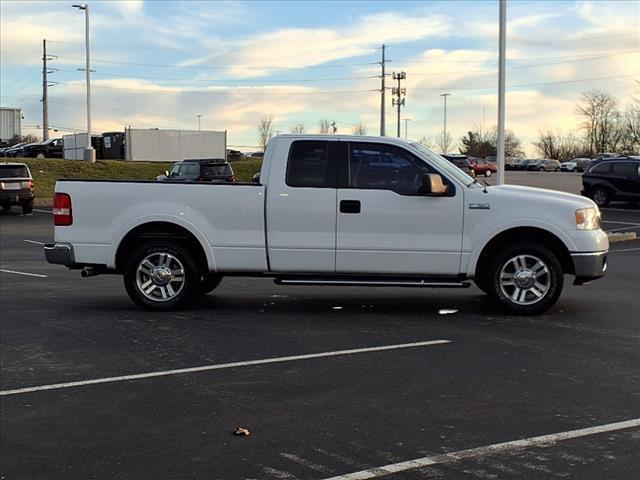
444, 136
89, 152
406, 126
502, 47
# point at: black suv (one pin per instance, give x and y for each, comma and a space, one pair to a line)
612, 179
200, 170
16, 187
52, 148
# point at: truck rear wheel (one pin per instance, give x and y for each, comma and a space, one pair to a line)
161, 275
525, 279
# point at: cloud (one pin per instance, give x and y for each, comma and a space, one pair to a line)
295, 48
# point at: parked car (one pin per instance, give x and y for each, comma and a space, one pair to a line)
545, 165
255, 155
610, 179
522, 164
10, 147
234, 155
16, 187
575, 165
16, 151
482, 166
199, 170
52, 148
460, 161
332, 210
510, 163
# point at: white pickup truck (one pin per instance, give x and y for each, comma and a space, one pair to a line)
332, 210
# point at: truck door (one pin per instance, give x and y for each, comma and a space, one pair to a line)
384, 225
301, 207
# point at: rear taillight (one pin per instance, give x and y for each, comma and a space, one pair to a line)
62, 214
31, 185
233, 179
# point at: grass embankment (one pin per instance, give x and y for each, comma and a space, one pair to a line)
46, 171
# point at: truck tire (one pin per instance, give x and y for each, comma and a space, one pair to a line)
161, 275
27, 207
6, 207
40, 155
208, 283
525, 279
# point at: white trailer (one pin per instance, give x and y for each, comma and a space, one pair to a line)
10, 123
156, 145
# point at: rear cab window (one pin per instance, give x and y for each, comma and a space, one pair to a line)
312, 164
216, 170
14, 171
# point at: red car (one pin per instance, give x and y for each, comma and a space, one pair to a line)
483, 167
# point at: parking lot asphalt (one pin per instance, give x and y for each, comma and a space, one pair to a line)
503, 397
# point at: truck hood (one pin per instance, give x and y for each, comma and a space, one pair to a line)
529, 196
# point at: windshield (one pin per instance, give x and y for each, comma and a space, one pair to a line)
444, 165
13, 171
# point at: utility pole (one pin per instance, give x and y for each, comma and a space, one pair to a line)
335, 128
399, 92
444, 135
199, 116
45, 94
89, 152
382, 92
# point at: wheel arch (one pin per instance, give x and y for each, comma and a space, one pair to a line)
191, 239
535, 234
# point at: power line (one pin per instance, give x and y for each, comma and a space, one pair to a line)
218, 67
274, 81
525, 84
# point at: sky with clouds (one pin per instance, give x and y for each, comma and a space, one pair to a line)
163, 63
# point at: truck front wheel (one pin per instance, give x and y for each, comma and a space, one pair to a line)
161, 275
525, 279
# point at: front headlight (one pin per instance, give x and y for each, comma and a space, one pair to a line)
588, 219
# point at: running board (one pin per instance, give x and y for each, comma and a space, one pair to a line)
372, 282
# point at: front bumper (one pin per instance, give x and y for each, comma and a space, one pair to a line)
60, 254
589, 266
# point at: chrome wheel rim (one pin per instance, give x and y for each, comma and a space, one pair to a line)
525, 279
160, 277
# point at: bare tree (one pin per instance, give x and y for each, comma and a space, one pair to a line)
360, 129
424, 141
299, 128
265, 131
560, 147
443, 141
325, 126
601, 120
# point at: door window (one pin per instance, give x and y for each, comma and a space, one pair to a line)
604, 167
311, 165
625, 169
385, 167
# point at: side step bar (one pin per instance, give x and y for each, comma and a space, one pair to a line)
373, 282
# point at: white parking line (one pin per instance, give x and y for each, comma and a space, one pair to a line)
23, 273
621, 223
33, 241
221, 366
623, 228
43, 211
541, 441
624, 250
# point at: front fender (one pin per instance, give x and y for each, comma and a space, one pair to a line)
473, 256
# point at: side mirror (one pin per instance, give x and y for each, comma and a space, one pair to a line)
431, 185
256, 178
166, 173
